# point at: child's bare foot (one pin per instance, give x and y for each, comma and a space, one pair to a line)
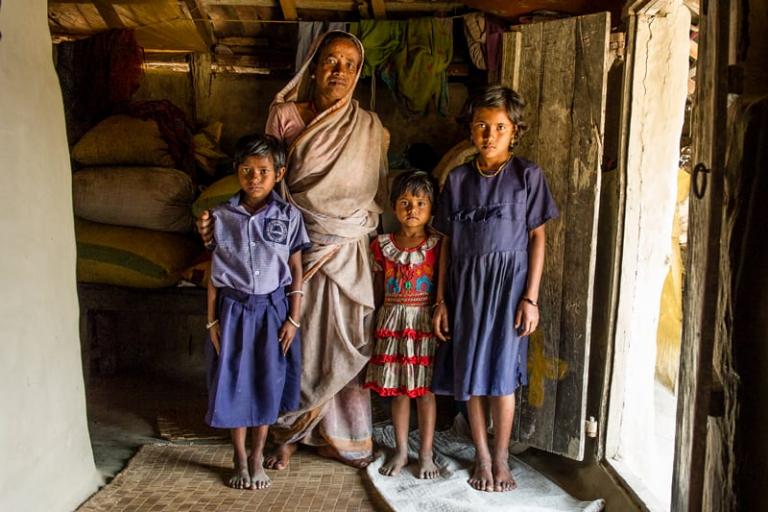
427, 467
259, 479
482, 477
330, 452
502, 476
397, 461
280, 457
240, 479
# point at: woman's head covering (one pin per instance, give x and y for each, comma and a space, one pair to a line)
300, 86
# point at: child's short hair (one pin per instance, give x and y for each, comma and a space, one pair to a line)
416, 182
259, 145
497, 96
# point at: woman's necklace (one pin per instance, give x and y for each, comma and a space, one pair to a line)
491, 174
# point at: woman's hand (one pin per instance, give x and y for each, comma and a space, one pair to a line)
440, 322
526, 318
215, 333
204, 225
285, 335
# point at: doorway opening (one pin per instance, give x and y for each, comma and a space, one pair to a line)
659, 77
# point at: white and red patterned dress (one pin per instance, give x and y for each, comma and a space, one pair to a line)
404, 342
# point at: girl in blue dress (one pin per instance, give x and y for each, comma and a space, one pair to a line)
493, 210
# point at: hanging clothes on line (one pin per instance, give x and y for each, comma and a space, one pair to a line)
474, 32
411, 57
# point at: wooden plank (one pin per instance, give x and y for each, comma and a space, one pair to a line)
346, 5
379, 9
289, 9
109, 14
585, 152
202, 21
702, 276
560, 70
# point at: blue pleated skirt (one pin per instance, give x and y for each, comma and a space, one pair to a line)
250, 382
486, 356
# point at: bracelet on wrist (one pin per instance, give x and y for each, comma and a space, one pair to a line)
530, 301
438, 303
295, 292
293, 322
211, 323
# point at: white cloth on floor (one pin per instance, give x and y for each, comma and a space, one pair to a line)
451, 492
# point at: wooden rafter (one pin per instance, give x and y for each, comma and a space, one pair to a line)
379, 10
108, 14
289, 9
203, 23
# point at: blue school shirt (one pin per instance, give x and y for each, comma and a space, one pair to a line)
252, 250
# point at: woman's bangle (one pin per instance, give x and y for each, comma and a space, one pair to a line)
438, 303
211, 324
294, 322
295, 292
529, 301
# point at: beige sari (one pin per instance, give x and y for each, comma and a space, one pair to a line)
337, 177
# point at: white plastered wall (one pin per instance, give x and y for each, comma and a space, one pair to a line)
47, 463
658, 92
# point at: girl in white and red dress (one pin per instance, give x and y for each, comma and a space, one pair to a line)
405, 266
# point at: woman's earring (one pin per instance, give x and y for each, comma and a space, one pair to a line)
312, 76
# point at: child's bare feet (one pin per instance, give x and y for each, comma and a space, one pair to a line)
427, 467
482, 477
259, 479
240, 478
397, 461
502, 476
280, 457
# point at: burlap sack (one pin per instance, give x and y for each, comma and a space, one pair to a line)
123, 140
133, 257
143, 197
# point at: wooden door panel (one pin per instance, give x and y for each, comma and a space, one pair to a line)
560, 69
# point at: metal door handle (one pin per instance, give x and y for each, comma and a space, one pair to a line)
699, 187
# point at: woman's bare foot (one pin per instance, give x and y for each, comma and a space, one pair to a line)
259, 479
240, 478
396, 461
331, 453
427, 467
281, 456
482, 477
502, 476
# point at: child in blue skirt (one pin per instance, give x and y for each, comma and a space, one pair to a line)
493, 210
254, 354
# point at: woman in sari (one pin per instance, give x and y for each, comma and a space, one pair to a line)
337, 178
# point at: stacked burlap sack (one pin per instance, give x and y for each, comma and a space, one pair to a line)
134, 222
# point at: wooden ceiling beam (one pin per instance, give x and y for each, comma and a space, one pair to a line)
289, 10
108, 14
379, 10
202, 21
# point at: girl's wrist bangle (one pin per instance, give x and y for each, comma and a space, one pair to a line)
293, 322
211, 323
295, 292
438, 303
529, 301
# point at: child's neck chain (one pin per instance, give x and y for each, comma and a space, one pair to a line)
491, 174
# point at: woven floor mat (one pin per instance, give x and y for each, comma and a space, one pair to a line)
163, 478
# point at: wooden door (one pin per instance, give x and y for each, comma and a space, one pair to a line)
560, 68
702, 275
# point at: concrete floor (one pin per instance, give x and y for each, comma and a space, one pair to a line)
123, 412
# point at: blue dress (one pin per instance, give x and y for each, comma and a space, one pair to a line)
488, 220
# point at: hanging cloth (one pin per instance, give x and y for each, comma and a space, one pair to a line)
474, 32
421, 63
